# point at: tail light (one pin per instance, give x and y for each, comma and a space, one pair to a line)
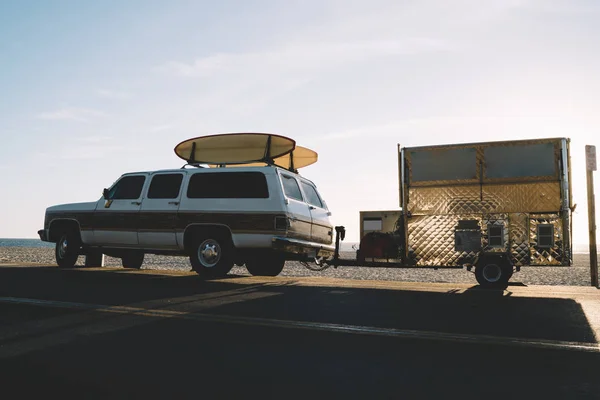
281, 223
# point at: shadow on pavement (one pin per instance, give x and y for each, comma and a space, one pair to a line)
130, 356
476, 311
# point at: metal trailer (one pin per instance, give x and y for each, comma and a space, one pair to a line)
495, 206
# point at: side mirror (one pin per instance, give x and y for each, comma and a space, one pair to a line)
106, 194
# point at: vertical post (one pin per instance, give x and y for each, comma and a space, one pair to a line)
400, 195
590, 157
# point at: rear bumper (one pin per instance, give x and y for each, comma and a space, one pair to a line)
43, 235
302, 248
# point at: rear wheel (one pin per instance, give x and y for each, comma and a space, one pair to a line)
212, 256
493, 272
67, 249
133, 259
266, 265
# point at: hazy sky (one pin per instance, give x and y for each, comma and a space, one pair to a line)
93, 89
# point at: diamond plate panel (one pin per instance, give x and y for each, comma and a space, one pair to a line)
519, 238
444, 200
505, 198
546, 256
519, 197
431, 240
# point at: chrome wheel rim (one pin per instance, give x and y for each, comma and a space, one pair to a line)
492, 272
63, 247
209, 253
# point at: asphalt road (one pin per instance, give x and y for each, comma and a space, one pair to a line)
115, 333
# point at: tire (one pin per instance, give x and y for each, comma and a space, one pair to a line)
212, 256
267, 265
133, 259
493, 272
67, 248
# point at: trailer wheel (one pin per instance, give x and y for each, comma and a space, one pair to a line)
268, 265
493, 272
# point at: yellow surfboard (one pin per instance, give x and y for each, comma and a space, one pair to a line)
246, 149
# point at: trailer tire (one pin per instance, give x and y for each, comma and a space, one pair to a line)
493, 272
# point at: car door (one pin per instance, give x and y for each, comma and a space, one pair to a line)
299, 214
321, 229
158, 215
116, 218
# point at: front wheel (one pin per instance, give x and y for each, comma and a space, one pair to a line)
267, 265
67, 250
212, 256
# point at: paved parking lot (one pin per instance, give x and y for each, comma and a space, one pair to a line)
111, 332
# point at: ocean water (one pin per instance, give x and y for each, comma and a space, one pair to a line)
24, 243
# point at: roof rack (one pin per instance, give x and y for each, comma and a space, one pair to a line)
196, 165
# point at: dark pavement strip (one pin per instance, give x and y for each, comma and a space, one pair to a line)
64, 329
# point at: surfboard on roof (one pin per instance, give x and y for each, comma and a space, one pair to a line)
245, 149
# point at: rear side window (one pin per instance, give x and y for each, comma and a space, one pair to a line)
165, 186
128, 188
312, 197
291, 188
228, 185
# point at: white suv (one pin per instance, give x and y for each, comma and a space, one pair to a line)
259, 216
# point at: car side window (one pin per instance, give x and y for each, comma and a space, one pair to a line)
312, 197
291, 188
165, 186
128, 188
228, 185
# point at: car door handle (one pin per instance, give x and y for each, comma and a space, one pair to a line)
137, 203
311, 207
175, 203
